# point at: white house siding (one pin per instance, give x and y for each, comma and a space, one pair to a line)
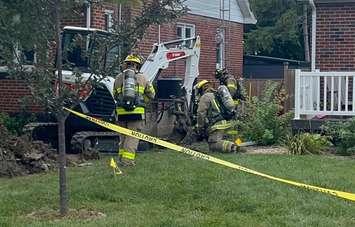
211, 8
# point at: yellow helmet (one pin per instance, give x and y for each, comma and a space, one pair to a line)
200, 84
133, 58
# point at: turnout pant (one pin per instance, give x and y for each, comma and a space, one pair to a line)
216, 142
128, 145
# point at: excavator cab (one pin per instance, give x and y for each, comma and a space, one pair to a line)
85, 53
88, 48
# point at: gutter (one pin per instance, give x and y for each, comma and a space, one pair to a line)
314, 35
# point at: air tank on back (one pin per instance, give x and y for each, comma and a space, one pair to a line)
129, 89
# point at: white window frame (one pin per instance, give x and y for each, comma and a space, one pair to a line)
183, 27
20, 54
109, 25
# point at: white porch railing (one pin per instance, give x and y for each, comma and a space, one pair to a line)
324, 93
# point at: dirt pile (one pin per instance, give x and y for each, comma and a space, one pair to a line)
20, 156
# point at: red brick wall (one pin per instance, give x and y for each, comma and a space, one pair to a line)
336, 37
98, 14
77, 18
206, 28
11, 93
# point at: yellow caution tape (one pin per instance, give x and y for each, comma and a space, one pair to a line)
154, 140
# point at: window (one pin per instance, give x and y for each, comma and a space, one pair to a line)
184, 31
29, 57
109, 20
220, 49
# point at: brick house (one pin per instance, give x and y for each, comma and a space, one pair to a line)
218, 22
329, 92
335, 42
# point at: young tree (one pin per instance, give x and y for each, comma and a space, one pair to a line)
31, 29
28, 27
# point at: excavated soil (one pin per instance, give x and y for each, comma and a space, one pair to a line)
20, 156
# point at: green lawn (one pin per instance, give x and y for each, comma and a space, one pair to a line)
173, 189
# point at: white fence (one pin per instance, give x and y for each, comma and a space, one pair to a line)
324, 93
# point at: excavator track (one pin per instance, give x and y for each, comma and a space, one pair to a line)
100, 141
30, 127
81, 141
44, 131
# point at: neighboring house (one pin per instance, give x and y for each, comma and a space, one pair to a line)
335, 49
269, 68
218, 22
329, 92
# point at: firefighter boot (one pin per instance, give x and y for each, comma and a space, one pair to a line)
124, 162
235, 148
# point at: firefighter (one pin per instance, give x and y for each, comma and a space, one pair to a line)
232, 84
210, 120
132, 93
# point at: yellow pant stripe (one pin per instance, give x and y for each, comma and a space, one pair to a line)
221, 125
128, 155
121, 151
225, 144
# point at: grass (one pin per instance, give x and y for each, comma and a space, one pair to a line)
172, 189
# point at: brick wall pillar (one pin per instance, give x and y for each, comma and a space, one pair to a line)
336, 37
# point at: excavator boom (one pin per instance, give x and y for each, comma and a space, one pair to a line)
164, 53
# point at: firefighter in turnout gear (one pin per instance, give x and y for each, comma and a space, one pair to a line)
132, 92
232, 84
211, 120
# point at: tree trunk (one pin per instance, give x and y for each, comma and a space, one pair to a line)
305, 34
63, 194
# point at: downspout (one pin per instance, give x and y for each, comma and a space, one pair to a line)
314, 35
88, 15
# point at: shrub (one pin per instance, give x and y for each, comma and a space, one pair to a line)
306, 143
342, 135
15, 124
261, 120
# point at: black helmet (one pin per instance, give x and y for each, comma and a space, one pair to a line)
220, 73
